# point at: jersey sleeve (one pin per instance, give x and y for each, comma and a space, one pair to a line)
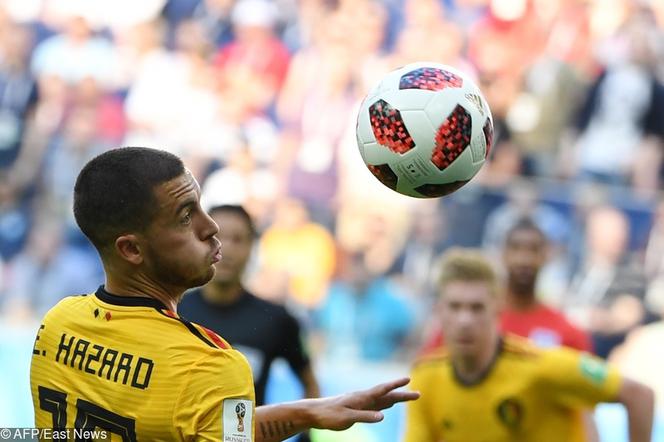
216, 401
418, 421
292, 348
575, 379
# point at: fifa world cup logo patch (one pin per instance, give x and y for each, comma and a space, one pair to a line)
240, 411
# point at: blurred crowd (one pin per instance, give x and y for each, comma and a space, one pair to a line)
260, 96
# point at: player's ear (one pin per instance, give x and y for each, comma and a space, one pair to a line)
129, 248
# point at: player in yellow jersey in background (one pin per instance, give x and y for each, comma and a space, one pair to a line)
486, 387
122, 360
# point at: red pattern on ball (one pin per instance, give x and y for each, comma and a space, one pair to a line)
431, 79
488, 136
389, 129
452, 138
384, 174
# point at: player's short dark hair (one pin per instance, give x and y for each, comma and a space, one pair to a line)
114, 192
527, 224
236, 210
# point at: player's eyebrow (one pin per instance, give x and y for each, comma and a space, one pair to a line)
190, 202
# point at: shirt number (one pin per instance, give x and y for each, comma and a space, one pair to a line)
88, 415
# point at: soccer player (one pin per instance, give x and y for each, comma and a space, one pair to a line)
121, 359
524, 255
261, 330
486, 386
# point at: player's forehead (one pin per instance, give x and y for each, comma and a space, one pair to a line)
467, 291
527, 236
171, 194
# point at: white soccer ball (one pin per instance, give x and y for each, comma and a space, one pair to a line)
425, 130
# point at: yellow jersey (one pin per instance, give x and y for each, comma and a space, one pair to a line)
528, 394
132, 367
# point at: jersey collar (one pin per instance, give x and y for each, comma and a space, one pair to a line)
128, 301
485, 373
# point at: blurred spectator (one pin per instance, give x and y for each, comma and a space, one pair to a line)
607, 292
505, 160
173, 101
506, 39
298, 251
78, 143
621, 117
542, 111
427, 240
319, 78
48, 270
586, 198
428, 35
215, 17
253, 67
18, 91
376, 228
364, 315
15, 220
654, 257
154, 78
523, 203
241, 181
86, 55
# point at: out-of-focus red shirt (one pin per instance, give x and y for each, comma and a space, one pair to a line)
269, 60
543, 325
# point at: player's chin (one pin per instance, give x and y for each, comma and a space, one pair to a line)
203, 278
524, 275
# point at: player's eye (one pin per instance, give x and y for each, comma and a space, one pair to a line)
186, 218
477, 308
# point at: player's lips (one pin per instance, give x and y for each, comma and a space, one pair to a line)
464, 340
216, 252
523, 272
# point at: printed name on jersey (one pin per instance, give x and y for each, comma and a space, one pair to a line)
97, 360
237, 420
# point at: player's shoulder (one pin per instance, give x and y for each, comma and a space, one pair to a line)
200, 335
519, 347
67, 306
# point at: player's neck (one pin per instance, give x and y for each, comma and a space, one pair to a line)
142, 287
472, 369
223, 293
520, 298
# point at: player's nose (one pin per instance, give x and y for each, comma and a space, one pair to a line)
209, 227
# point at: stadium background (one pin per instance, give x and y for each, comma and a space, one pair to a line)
259, 98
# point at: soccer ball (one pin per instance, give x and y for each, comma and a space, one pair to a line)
425, 130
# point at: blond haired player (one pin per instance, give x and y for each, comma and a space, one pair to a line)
122, 360
488, 387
